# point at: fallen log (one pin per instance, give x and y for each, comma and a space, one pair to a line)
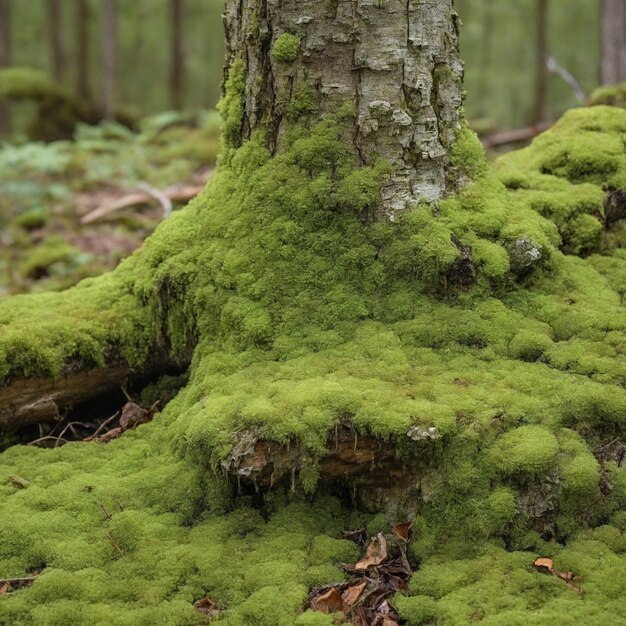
28, 401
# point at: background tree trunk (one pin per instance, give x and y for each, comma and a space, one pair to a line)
395, 62
109, 60
613, 41
177, 59
55, 32
81, 25
5, 58
541, 68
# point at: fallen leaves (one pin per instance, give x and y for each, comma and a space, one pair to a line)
384, 569
546, 566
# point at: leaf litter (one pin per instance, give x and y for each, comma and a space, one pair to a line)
384, 570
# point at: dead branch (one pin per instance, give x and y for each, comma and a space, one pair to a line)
148, 194
519, 135
115, 545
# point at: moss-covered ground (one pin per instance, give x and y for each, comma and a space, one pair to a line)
302, 316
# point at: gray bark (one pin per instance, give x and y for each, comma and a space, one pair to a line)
177, 58
397, 61
613, 57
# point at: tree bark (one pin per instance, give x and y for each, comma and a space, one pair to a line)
81, 26
395, 61
55, 22
541, 68
109, 60
5, 58
177, 59
613, 42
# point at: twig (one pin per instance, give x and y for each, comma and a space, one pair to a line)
175, 193
115, 545
42, 439
119, 504
514, 136
165, 202
105, 424
106, 513
567, 76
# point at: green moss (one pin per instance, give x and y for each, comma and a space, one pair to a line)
303, 316
527, 449
286, 48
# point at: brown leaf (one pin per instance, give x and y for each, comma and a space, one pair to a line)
207, 606
328, 601
545, 566
376, 553
4, 588
359, 536
133, 415
352, 594
114, 433
403, 531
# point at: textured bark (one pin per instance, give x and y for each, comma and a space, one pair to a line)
613, 57
396, 61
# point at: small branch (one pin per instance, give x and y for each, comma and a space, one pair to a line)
115, 545
514, 136
104, 425
106, 513
175, 193
554, 67
158, 195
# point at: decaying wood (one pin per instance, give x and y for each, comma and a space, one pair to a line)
28, 401
175, 193
369, 466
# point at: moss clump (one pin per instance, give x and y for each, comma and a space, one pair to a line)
286, 48
303, 316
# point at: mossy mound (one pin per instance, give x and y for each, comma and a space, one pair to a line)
495, 319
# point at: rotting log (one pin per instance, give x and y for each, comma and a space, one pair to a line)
28, 401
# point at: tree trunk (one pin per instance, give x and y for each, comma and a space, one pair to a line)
55, 21
109, 61
5, 58
541, 68
177, 60
395, 62
81, 25
613, 42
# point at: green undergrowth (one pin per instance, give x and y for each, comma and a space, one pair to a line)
303, 317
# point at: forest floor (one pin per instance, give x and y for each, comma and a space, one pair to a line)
73, 209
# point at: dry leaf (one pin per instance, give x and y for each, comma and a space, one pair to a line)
376, 553
403, 531
352, 594
4, 588
544, 565
328, 602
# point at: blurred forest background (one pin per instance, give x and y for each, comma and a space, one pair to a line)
168, 53
108, 122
